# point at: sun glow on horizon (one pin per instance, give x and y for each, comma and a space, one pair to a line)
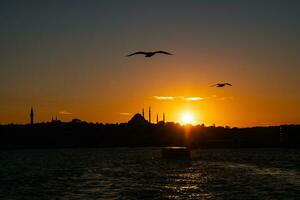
187, 118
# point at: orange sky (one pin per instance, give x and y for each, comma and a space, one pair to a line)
70, 62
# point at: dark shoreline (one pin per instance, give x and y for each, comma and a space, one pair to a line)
88, 135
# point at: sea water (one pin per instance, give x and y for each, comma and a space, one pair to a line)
141, 173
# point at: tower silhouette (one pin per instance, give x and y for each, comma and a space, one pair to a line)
31, 115
149, 114
157, 118
143, 113
164, 118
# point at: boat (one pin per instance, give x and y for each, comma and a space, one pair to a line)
176, 153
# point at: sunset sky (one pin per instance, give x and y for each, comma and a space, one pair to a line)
67, 59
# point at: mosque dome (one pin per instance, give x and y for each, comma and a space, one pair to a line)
138, 119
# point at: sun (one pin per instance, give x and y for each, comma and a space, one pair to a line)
187, 118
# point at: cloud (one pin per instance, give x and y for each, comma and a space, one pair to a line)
65, 112
225, 98
193, 98
125, 113
163, 97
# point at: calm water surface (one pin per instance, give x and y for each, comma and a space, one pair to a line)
140, 173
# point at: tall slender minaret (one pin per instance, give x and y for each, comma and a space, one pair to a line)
31, 115
143, 113
149, 114
164, 118
157, 118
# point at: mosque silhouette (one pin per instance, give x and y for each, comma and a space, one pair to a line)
141, 132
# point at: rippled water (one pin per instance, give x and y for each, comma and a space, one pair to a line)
140, 173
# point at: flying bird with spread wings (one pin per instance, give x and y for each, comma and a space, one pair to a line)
221, 85
149, 54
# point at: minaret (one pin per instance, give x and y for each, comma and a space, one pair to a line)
164, 118
143, 113
149, 114
157, 118
31, 116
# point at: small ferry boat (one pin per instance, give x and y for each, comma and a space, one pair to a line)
176, 153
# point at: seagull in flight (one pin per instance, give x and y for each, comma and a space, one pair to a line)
149, 54
221, 85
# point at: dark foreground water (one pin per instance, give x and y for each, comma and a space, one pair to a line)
140, 173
